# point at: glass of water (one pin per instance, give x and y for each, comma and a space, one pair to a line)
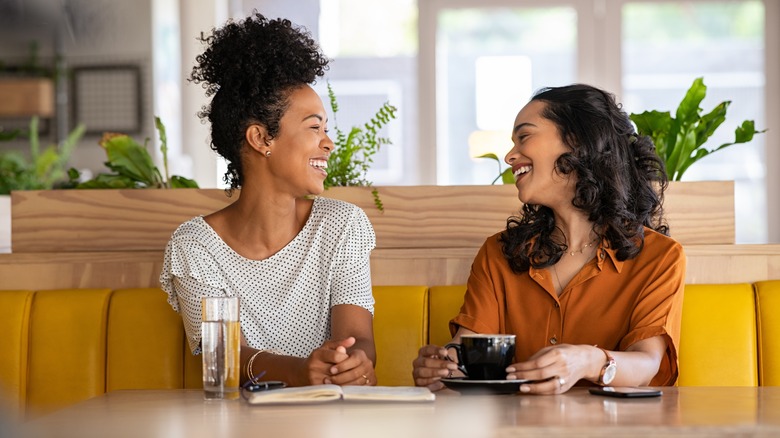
220, 345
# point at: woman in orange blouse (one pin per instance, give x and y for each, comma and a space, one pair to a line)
586, 276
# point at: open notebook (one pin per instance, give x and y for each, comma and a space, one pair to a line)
325, 393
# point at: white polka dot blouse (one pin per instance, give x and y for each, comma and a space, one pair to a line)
285, 299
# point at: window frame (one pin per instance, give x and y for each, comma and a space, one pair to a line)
599, 62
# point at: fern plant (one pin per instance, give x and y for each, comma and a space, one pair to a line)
354, 151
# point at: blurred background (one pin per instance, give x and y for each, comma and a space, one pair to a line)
457, 70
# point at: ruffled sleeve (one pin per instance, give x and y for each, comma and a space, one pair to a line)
190, 273
352, 268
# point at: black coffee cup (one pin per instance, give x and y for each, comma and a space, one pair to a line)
484, 357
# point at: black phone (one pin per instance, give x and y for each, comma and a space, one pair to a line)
267, 385
626, 391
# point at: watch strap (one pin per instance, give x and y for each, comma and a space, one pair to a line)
609, 364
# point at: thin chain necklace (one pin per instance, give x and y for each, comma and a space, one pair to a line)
583, 248
555, 270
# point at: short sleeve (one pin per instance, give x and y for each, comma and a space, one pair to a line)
481, 307
190, 273
658, 312
351, 282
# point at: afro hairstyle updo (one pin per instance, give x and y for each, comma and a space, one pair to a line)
250, 67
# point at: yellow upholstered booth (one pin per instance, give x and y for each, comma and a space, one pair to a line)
718, 341
400, 328
445, 304
67, 353
768, 304
14, 326
143, 330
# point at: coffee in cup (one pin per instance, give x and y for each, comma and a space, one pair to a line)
484, 357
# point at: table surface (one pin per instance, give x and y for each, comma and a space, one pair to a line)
684, 411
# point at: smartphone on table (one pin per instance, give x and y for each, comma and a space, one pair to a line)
625, 391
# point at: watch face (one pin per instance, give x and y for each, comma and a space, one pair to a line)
609, 374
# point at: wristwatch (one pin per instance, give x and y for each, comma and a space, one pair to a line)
609, 370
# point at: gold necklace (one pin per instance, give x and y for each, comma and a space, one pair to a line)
583, 248
555, 270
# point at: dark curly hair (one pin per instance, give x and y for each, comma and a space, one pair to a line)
620, 180
251, 67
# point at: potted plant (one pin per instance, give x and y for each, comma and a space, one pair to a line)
132, 165
45, 168
27, 89
680, 140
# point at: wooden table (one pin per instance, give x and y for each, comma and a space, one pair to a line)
686, 411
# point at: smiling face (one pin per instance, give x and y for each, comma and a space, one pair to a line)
300, 150
537, 145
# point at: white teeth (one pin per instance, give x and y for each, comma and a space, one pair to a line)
319, 164
522, 170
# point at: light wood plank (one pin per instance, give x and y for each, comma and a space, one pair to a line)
428, 267
414, 216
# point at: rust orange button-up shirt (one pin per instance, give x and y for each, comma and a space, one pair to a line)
609, 303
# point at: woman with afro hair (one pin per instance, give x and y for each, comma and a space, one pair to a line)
586, 276
299, 263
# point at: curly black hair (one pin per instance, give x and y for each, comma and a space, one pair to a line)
250, 67
620, 180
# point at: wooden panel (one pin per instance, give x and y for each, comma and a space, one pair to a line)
414, 216
24, 97
104, 220
701, 213
389, 267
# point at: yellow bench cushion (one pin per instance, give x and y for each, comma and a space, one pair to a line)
14, 324
768, 304
718, 341
143, 335
445, 305
400, 324
67, 355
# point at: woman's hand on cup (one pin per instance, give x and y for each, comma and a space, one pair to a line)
431, 365
553, 370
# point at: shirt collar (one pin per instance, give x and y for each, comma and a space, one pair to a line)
605, 253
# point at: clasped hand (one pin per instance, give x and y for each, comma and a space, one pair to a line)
334, 363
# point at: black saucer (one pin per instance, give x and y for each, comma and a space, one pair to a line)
466, 386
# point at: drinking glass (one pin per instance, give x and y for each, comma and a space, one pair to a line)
220, 345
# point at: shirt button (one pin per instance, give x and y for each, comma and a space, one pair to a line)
557, 305
553, 340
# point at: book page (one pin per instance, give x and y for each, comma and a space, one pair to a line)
326, 393
296, 395
387, 393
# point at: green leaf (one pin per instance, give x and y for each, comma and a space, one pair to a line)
491, 156
688, 110
710, 122
163, 144
9, 135
180, 182
129, 159
507, 176
656, 125
106, 181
